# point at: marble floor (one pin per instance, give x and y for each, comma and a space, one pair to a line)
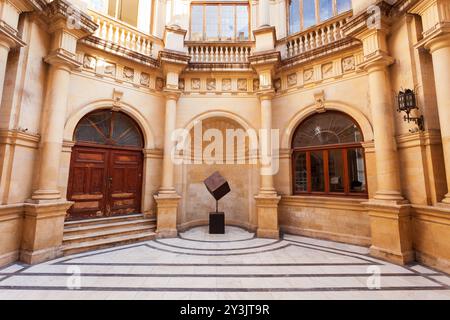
234, 266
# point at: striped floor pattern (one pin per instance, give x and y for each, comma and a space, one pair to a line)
235, 266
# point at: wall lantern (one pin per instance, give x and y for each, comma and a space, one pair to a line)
406, 103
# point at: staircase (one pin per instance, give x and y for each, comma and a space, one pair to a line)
95, 234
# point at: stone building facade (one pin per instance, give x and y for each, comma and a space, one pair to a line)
92, 91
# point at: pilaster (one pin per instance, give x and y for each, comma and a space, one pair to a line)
435, 16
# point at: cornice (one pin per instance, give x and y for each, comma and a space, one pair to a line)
63, 9
174, 57
9, 36
358, 23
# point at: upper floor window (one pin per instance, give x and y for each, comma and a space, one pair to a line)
307, 13
220, 21
123, 10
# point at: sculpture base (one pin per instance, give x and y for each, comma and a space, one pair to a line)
217, 223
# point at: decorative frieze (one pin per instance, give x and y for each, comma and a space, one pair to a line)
102, 68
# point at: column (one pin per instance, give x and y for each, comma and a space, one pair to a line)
388, 176
264, 13
167, 199
389, 212
267, 200
440, 52
167, 186
52, 136
267, 185
45, 212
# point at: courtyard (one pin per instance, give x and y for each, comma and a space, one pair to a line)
234, 266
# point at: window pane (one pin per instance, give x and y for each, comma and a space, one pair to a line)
325, 129
212, 23
242, 22
301, 176
309, 13
129, 12
294, 16
326, 9
98, 5
197, 23
343, 5
356, 170
336, 170
227, 25
317, 172
112, 5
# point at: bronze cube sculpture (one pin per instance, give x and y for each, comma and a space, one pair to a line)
218, 187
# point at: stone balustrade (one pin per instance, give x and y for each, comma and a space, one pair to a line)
219, 52
122, 34
316, 37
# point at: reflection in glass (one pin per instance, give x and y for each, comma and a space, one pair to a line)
301, 173
336, 170
294, 14
227, 26
343, 5
197, 23
356, 169
325, 9
212, 24
317, 172
309, 13
242, 22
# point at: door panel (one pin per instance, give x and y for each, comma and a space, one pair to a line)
87, 185
126, 181
104, 182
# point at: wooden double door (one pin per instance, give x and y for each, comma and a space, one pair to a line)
104, 182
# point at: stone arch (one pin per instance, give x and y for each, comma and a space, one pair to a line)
217, 114
75, 117
357, 115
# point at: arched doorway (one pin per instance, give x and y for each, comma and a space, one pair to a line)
105, 176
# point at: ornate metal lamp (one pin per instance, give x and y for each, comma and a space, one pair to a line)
406, 103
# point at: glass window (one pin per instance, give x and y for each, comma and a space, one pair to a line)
212, 23
328, 157
309, 13
301, 172
317, 172
222, 21
343, 5
242, 22
197, 23
108, 128
124, 10
304, 14
325, 9
227, 25
356, 170
294, 14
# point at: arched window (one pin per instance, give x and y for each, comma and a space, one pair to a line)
108, 128
327, 156
304, 14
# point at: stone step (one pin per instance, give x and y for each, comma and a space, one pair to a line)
105, 234
95, 228
75, 248
83, 223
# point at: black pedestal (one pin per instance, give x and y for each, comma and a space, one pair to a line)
217, 223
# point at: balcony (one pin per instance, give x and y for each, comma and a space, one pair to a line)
317, 37
219, 55
124, 40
